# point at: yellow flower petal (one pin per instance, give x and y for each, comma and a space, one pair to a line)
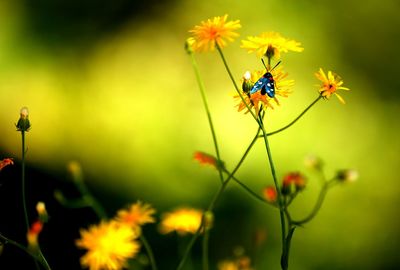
270, 44
214, 32
330, 84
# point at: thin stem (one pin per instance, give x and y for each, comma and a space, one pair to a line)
234, 82
205, 103
149, 252
41, 260
23, 182
214, 200
297, 118
245, 187
205, 249
280, 199
317, 205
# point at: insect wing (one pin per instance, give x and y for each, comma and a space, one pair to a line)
259, 85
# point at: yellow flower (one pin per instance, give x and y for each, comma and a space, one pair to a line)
138, 214
330, 84
182, 220
109, 245
216, 31
270, 44
258, 100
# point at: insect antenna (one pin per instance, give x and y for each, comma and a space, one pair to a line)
262, 60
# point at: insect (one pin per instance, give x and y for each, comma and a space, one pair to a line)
266, 83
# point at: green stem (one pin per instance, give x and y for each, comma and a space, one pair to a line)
89, 199
317, 206
251, 192
149, 252
205, 103
297, 118
23, 183
205, 249
280, 198
214, 200
40, 259
234, 83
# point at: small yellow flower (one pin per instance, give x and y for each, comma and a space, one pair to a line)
216, 31
182, 220
138, 214
270, 44
258, 100
109, 246
330, 84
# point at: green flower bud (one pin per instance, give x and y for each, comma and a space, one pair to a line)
23, 122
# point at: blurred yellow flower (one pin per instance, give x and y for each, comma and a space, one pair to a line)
241, 263
109, 245
182, 220
138, 214
270, 44
330, 84
258, 100
213, 31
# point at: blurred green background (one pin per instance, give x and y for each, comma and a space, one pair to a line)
108, 84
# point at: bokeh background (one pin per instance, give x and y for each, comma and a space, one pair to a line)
108, 84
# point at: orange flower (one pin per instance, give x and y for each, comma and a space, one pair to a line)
293, 179
258, 100
216, 31
5, 162
270, 194
138, 214
330, 84
205, 159
33, 233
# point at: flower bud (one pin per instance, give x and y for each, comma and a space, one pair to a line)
313, 162
23, 122
189, 45
347, 175
270, 194
208, 220
247, 85
293, 182
41, 209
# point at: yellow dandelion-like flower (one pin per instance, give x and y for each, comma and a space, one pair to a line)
216, 31
270, 44
109, 245
259, 100
137, 214
330, 84
182, 220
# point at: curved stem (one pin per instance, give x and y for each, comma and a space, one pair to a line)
40, 260
149, 252
317, 205
245, 187
205, 103
214, 200
297, 118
